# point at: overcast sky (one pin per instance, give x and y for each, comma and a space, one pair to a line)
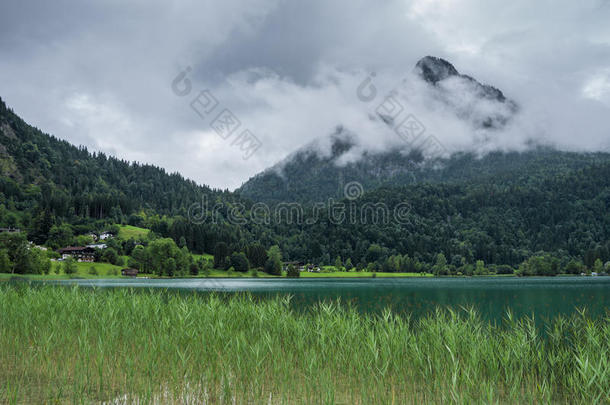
100, 73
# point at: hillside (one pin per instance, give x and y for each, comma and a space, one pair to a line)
308, 177
45, 182
500, 222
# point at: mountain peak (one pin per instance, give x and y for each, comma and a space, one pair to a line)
443, 77
433, 69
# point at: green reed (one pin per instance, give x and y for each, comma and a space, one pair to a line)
73, 345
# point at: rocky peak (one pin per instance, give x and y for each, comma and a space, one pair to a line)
433, 69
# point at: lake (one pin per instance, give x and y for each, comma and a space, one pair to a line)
491, 296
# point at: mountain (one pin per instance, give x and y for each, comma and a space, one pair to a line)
309, 175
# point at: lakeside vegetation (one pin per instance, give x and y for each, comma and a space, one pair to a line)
77, 345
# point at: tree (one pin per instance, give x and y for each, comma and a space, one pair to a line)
539, 266
169, 266
440, 266
504, 269
193, 269
110, 256
574, 267
166, 258
373, 253
348, 264
598, 266
221, 251
5, 262
479, 268
39, 262
338, 264
205, 267
293, 271
69, 266
274, 261
140, 258
83, 240
239, 262
60, 236
257, 255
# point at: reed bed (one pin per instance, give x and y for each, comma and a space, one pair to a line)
74, 345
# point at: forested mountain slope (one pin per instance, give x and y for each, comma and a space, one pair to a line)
46, 181
308, 177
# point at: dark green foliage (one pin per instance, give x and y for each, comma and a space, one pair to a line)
539, 266
17, 256
193, 269
239, 262
69, 266
293, 272
274, 262
5, 262
221, 252
503, 269
110, 255
257, 255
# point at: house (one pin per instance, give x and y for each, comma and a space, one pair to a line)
298, 265
80, 253
129, 272
10, 230
105, 235
97, 246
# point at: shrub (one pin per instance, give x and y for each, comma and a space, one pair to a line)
239, 262
69, 266
293, 272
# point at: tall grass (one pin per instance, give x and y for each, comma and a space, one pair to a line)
71, 345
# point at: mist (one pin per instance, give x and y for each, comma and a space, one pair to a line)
99, 74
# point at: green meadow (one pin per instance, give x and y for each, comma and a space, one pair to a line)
73, 345
128, 232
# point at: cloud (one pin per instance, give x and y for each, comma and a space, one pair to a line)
99, 73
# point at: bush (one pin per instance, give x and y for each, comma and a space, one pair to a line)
504, 269
293, 272
239, 262
574, 267
193, 269
110, 256
69, 266
93, 271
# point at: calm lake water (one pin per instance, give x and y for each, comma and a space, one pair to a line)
542, 297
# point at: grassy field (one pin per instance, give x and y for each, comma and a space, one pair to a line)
71, 345
128, 231
83, 270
